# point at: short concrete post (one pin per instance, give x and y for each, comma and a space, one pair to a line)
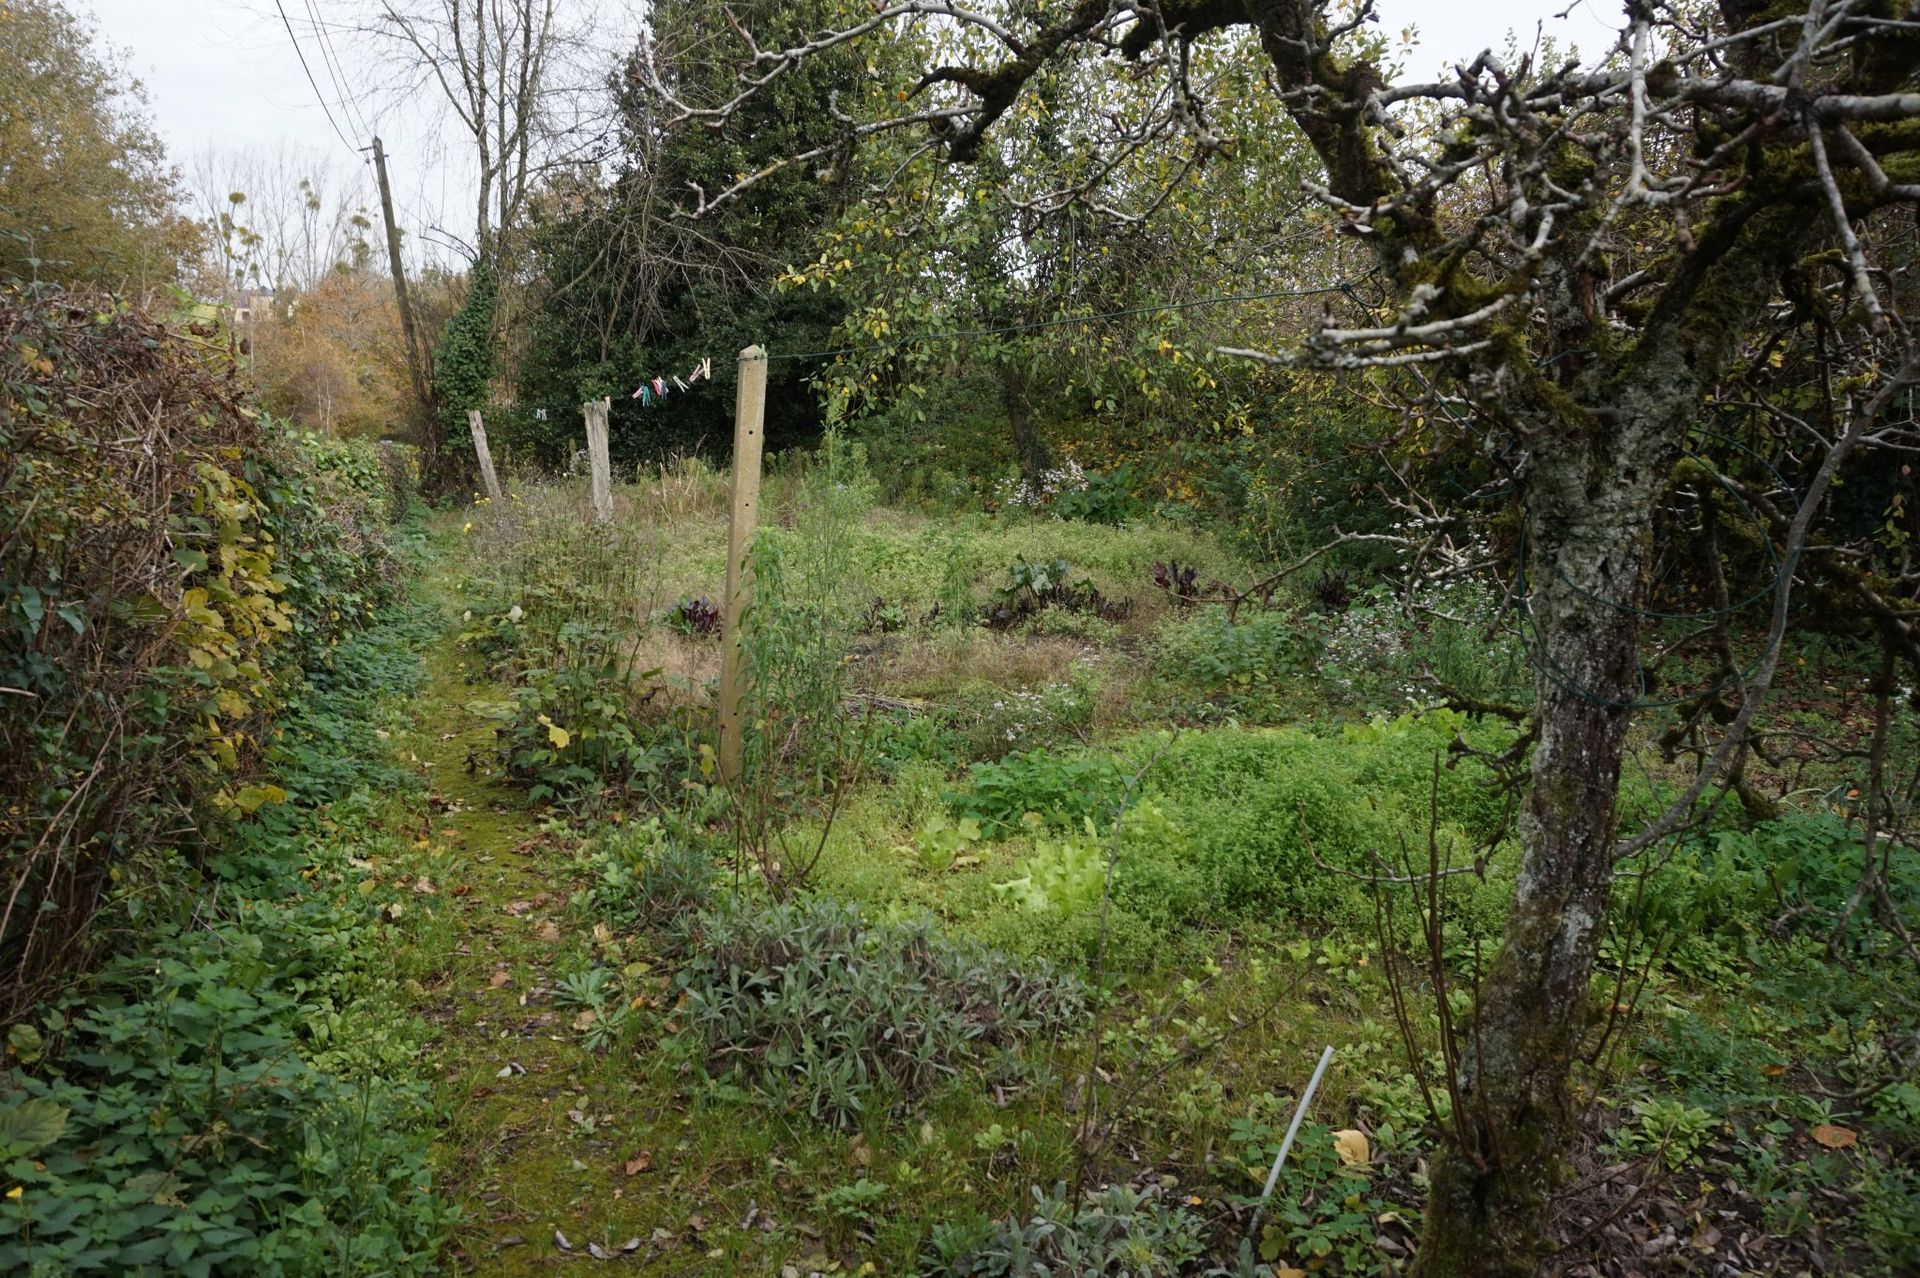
749, 413
480, 450
596, 412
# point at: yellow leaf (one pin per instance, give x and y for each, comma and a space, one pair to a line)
1352, 1147
559, 736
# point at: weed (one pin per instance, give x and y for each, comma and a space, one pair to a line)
694, 617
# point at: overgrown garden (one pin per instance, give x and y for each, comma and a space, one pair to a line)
1259, 554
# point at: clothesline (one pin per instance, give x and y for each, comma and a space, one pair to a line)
654, 389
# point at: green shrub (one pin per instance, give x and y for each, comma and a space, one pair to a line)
1064, 790
1261, 806
823, 1011
1731, 884
1158, 878
171, 561
1215, 653
1394, 758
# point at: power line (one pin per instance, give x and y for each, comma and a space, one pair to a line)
336, 72
315, 84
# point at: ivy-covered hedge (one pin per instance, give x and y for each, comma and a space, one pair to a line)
167, 558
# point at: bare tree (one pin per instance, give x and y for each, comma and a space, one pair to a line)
1578, 255
505, 70
299, 217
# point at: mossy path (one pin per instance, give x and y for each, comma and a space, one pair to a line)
540, 1130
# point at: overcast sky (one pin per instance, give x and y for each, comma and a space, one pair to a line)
223, 74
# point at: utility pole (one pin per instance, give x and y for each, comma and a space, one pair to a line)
422, 394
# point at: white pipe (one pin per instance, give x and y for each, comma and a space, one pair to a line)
1293, 1128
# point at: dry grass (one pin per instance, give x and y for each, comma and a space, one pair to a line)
929, 665
687, 668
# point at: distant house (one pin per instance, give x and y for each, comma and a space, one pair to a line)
250, 306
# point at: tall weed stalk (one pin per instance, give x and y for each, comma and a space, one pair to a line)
799, 747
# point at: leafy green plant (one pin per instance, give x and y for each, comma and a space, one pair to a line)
855, 1202
1104, 497
798, 742
641, 876
1118, 1230
1216, 652
823, 1011
941, 841
1064, 790
1062, 876
1671, 1132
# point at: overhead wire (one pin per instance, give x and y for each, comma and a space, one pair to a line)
313, 83
336, 73
1062, 321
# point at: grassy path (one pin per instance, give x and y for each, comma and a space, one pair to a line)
540, 1130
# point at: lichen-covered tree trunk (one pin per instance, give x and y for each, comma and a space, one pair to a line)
1587, 527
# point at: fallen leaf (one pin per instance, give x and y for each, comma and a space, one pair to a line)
630, 1245
424, 886
598, 1252
463, 889
511, 1240
560, 1240
499, 978
1835, 1137
549, 931
519, 907
1352, 1147
696, 1222
640, 1162
586, 1019
1774, 1071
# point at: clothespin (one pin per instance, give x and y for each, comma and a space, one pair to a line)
660, 388
639, 392
680, 384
